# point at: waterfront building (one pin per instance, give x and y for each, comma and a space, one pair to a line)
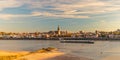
114, 36
58, 30
111, 36
59, 33
56, 33
118, 30
81, 32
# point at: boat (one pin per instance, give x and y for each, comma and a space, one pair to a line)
77, 41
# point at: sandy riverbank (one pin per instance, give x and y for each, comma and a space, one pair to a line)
38, 55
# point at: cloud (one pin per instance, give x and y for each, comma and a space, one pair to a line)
38, 14
63, 8
76, 8
57, 15
89, 7
9, 4
5, 16
11, 16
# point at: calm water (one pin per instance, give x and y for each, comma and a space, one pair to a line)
95, 51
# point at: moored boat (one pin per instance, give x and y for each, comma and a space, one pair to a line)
77, 41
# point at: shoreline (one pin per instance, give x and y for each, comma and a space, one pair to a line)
57, 38
38, 55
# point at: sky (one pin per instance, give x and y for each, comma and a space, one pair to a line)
71, 15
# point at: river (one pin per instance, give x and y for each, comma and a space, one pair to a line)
96, 51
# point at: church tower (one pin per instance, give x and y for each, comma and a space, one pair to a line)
58, 30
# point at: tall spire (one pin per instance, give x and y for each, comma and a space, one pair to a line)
58, 28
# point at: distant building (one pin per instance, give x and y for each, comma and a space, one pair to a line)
118, 30
58, 30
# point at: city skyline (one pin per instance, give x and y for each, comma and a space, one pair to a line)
58, 30
71, 15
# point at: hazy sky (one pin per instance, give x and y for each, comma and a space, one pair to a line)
71, 15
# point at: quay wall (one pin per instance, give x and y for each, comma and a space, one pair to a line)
57, 38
